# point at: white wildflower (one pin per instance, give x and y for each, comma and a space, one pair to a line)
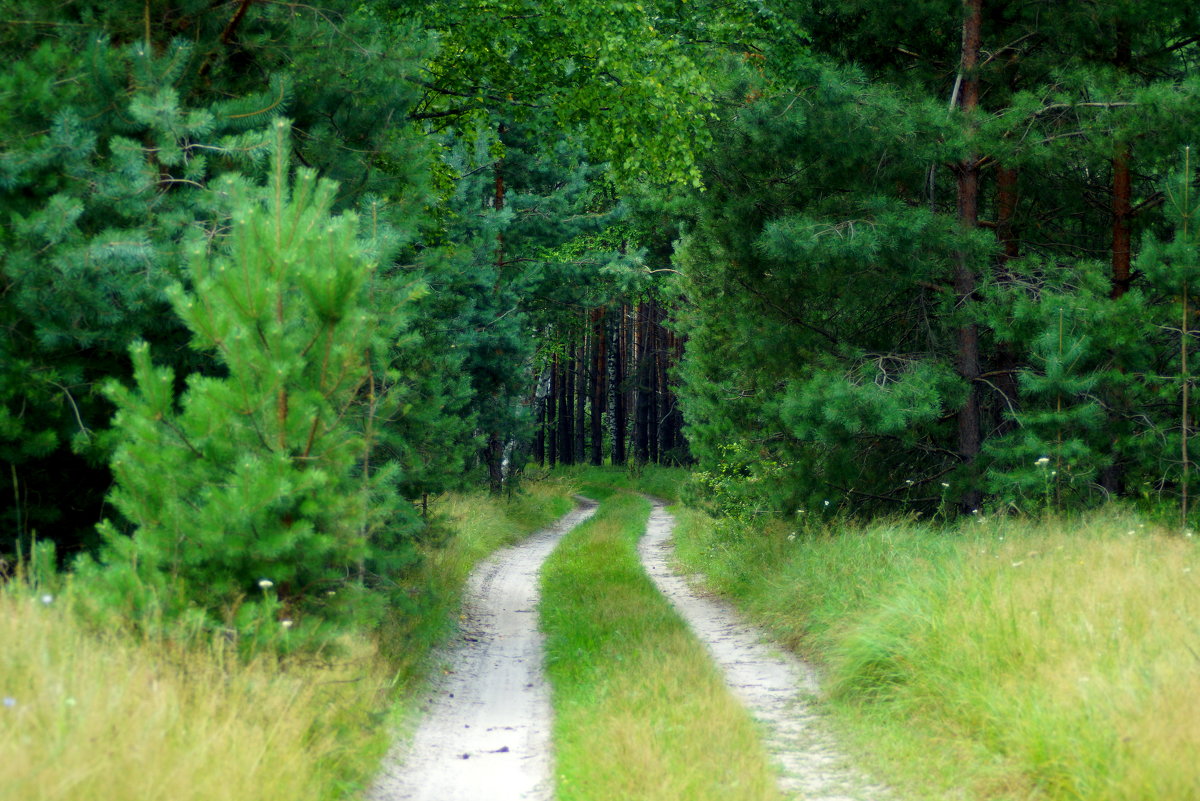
266, 584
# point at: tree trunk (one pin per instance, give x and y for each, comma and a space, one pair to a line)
494, 452
551, 414
495, 463
598, 379
1112, 475
539, 410
616, 381
654, 340
969, 430
1122, 212
564, 411
642, 397
581, 396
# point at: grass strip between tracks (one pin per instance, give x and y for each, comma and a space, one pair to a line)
641, 712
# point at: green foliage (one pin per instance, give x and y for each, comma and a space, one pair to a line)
251, 496
826, 318
114, 121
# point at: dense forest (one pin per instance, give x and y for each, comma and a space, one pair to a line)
274, 274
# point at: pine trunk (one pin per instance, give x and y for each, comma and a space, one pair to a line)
581, 396
969, 429
564, 412
641, 416
654, 428
539, 409
1112, 475
598, 378
551, 416
616, 381
1122, 213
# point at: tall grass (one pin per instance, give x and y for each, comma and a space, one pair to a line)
104, 716
641, 712
1001, 659
96, 716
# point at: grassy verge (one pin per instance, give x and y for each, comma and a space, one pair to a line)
87, 716
471, 526
640, 710
1003, 659
660, 482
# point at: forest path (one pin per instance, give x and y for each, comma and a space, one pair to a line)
486, 729
777, 687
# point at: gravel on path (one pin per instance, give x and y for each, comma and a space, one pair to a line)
776, 686
485, 735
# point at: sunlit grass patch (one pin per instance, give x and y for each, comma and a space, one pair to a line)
641, 712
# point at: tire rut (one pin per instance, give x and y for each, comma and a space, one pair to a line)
485, 733
778, 688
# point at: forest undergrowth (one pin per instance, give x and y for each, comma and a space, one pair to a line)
103, 714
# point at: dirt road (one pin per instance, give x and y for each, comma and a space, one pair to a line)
485, 735
774, 685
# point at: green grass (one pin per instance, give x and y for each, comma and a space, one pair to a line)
95, 716
1002, 659
661, 482
640, 710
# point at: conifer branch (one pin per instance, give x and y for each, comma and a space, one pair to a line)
238, 16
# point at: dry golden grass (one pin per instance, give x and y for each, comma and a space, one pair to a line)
106, 717
1093, 647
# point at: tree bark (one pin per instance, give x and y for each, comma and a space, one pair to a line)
642, 396
539, 409
1112, 475
581, 396
965, 280
551, 416
616, 381
1122, 213
654, 434
566, 412
598, 384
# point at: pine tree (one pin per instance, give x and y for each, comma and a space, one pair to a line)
251, 507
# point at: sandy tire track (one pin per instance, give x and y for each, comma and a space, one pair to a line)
777, 687
485, 735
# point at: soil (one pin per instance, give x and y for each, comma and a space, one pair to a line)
485, 734
778, 688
